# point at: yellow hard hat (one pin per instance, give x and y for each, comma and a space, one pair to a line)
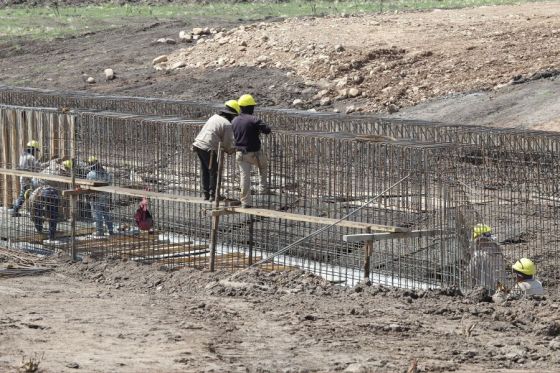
92, 159
480, 229
33, 144
246, 100
68, 164
27, 194
232, 104
525, 266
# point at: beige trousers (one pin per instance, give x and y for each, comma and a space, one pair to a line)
246, 161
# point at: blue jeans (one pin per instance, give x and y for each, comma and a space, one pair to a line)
101, 212
46, 206
21, 198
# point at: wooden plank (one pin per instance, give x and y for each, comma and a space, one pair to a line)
149, 194
310, 219
389, 236
15, 151
58, 178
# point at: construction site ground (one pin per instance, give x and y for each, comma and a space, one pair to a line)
114, 316
493, 65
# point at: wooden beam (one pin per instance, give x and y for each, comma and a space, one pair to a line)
309, 219
58, 178
389, 236
148, 194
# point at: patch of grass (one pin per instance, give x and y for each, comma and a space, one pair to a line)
50, 22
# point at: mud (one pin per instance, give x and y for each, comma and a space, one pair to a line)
128, 317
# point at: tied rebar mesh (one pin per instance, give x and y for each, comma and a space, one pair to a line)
320, 165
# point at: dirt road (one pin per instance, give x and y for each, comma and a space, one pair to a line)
489, 65
125, 317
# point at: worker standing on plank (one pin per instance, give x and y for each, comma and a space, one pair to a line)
247, 129
216, 130
100, 202
27, 162
487, 266
525, 271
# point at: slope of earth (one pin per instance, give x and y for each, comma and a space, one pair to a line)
376, 63
102, 316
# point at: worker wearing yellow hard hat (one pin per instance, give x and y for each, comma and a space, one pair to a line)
486, 266
525, 270
217, 130
100, 203
27, 162
247, 129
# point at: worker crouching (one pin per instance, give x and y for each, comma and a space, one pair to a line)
45, 205
525, 270
487, 266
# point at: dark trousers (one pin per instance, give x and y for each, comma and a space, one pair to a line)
46, 206
21, 198
208, 170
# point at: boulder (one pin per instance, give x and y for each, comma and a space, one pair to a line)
90, 80
185, 37
197, 31
109, 74
297, 102
353, 92
160, 59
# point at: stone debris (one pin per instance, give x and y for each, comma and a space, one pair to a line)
109, 74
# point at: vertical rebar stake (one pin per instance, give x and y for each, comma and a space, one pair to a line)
216, 218
368, 247
251, 220
74, 196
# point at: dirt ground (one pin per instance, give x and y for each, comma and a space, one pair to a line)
490, 65
114, 316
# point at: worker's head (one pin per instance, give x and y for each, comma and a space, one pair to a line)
524, 269
33, 147
247, 104
68, 164
481, 230
92, 160
230, 110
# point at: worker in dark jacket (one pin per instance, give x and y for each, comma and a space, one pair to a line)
246, 130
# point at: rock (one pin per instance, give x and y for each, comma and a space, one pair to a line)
325, 101
197, 31
73, 365
185, 37
166, 41
356, 368
262, 59
200, 41
196, 37
264, 38
90, 80
243, 43
159, 59
358, 79
178, 65
289, 74
109, 74
297, 102
206, 31
338, 48
392, 108
336, 110
308, 92
350, 109
353, 92
479, 294
342, 82
554, 344
221, 61
343, 93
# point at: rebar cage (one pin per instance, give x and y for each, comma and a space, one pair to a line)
320, 165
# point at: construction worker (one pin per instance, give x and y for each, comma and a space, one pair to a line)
486, 267
45, 205
246, 129
100, 202
216, 130
27, 162
525, 271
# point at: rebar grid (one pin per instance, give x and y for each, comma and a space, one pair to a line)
461, 176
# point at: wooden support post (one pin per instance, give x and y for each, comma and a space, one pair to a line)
368, 248
73, 198
251, 221
216, 218
5, 161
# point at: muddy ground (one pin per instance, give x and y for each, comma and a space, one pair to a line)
493, 66
114, 316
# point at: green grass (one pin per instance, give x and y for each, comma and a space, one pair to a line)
48, 23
